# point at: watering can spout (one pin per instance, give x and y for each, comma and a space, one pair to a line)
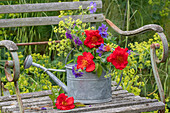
28, 62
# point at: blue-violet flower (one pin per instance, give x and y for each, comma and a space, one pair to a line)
78, 41
68, 35
129, 52
43, 108
100, 50
76, 71
103, 31
92, 7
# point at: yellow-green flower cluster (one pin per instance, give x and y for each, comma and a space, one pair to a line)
62, 48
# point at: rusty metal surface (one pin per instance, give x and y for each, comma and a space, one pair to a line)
165, 48
35, 43
155, 71
143, 29
16, 68
12, 47
5, 91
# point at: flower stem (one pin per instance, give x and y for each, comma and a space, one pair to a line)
128, 21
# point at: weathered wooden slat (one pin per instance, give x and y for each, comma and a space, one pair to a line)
30, 100
52, 20
14, 107
119, 92
116, 101
119, 88
26, 95
37, 94
39, 7
108, 107
132, 109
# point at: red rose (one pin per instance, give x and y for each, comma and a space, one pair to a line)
119, 58
93, 39
64, 103
86, 61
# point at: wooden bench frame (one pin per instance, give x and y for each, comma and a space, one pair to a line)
53, 20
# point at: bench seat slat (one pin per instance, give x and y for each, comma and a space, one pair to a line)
51, 20
145, 107
39, 7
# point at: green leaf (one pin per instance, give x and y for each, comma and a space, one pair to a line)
99, 71
76, 28
70, 61
53, 99
96, 67
77, 54
78, 104
55, 92
61, 91
55, 108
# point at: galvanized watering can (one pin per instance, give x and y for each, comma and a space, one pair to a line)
87, 89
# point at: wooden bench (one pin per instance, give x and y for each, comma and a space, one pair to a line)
122, 100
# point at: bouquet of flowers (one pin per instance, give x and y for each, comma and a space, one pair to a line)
94, 51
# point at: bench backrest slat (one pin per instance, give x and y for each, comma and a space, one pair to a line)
52, 20
39, 7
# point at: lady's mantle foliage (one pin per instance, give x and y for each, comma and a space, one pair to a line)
93, 39
64, 102
86, 62
119, 58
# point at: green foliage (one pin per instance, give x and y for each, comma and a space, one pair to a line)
34, 79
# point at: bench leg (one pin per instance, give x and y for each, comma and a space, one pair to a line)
0, 87
18, 97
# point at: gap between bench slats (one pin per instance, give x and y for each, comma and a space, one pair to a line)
39, 7
51, 20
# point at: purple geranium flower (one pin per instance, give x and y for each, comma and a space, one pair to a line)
100, 50
92, 7
103, 31
78, 41
68, 35
76, 72
129, 52
43, 108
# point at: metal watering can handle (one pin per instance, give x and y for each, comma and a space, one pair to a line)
68, 56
